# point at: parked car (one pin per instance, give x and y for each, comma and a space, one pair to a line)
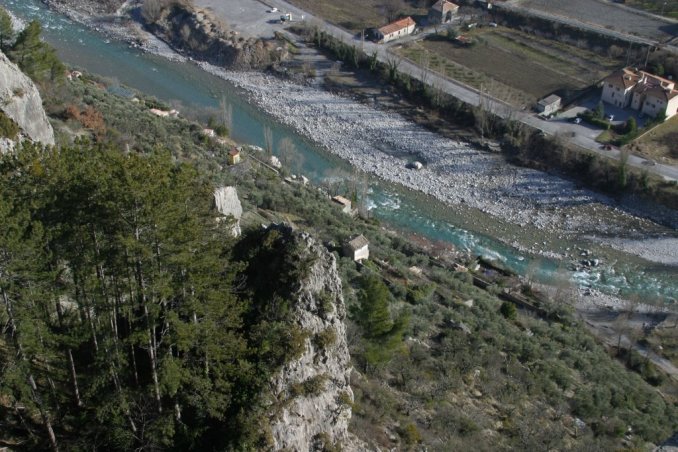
576, 120
273, 10
610, 117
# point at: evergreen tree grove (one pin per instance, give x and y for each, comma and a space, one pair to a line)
122, 326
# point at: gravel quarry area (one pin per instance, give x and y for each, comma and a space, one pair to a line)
384, 144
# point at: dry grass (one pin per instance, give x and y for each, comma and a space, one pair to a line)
660, 144
355, 15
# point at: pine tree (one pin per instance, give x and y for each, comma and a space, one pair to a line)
374, 315
6, 30
35, 58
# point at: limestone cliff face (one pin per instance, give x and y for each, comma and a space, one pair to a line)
227, 204
314, 390
21, 102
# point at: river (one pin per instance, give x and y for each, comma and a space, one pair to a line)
187, 86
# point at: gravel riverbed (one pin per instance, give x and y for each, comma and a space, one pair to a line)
384, 143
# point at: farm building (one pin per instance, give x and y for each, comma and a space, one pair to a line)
648, 93
357, 248
344, 203
233, 156
395, 30
549, 105
442, 12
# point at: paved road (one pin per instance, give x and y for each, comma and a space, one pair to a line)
601, 321
242, 11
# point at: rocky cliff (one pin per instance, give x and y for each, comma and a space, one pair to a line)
20, 101
313, 393
198, 33
227, 204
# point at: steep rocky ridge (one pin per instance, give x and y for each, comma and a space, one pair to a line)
21, 102
313, 394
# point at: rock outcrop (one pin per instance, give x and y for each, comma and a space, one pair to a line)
20, 101
313, 392
227, 203
203, 36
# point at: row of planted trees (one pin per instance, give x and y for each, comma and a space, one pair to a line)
122, 323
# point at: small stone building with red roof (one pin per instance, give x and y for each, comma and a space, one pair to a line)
395, 30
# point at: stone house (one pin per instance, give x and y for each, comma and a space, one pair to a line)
345, 204
395, 30
357, 248
641, 91
233, 157
442, 12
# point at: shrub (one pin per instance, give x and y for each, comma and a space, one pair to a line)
410, 434
421, 293
325, 338
508, 310
8, 128
309, 388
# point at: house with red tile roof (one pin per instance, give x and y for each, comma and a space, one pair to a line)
395, 30
642, 91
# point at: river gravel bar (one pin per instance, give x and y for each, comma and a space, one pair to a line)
383, 143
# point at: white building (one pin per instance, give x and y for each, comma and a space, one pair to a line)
357, 248
549, 105
395, 30
642, 91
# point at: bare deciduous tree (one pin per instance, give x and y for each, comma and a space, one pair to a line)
392, 9
286, 149
268, 140
226, 113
